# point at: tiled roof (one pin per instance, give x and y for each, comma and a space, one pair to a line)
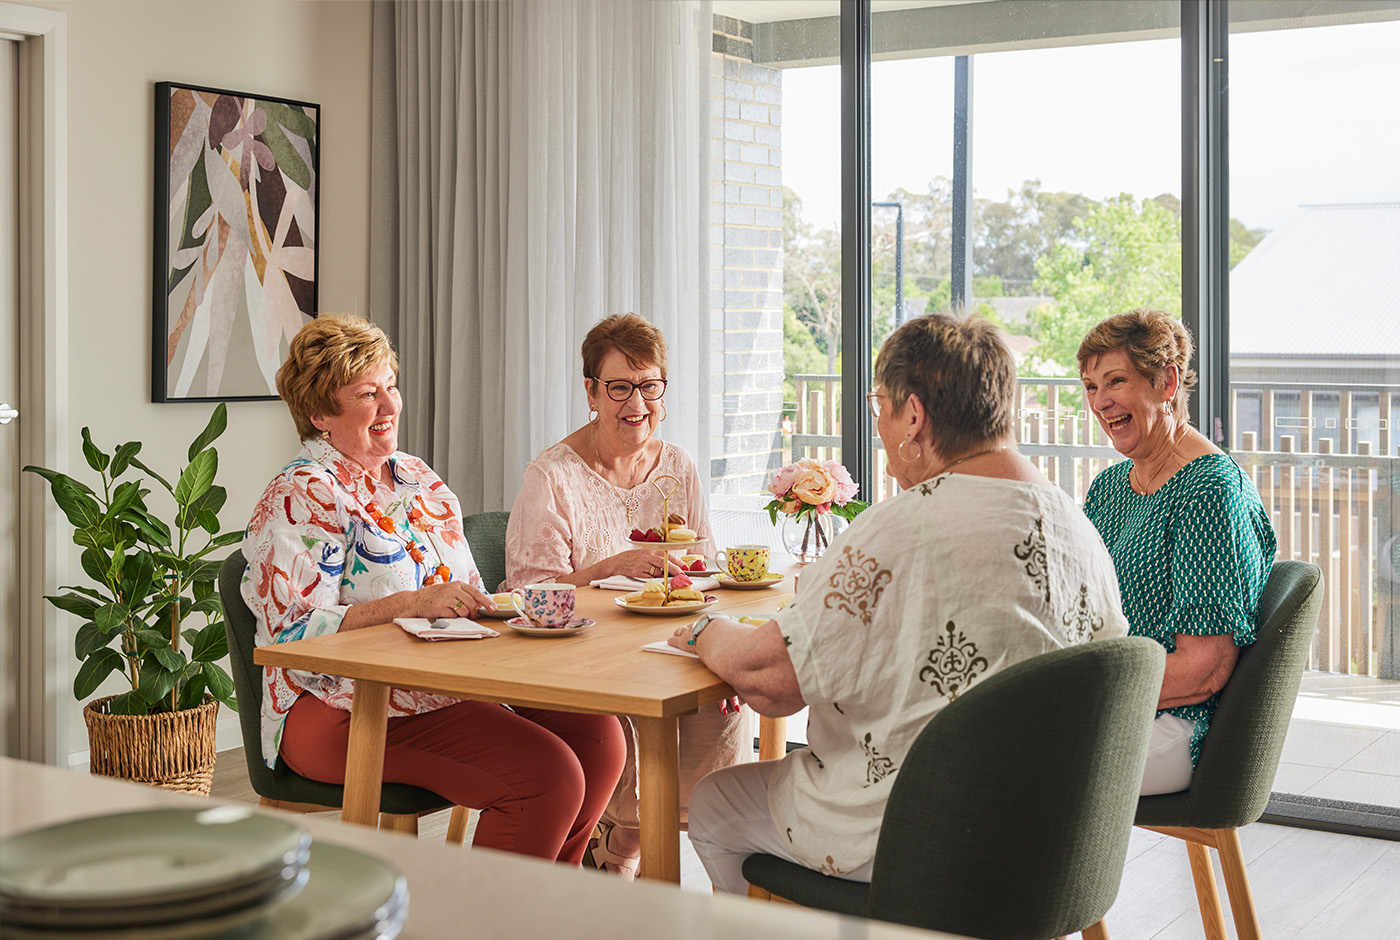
1325, 282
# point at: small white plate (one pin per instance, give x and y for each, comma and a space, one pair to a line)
521, 625
677, 610
725, 581
504, 608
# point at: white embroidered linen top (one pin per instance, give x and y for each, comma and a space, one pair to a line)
923, 596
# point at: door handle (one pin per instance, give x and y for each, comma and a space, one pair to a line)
7, 414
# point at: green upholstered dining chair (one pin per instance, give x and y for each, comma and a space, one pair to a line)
280, 787
1235, 774
486, 537
1011, 815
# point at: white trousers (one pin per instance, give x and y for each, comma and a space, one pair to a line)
1168, 756
730, 820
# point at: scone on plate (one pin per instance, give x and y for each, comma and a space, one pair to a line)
680, 534
685, 595
643, 599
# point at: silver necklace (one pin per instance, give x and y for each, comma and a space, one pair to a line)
629, 502
1141, 488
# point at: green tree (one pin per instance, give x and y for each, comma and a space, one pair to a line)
1128, 255
800, 353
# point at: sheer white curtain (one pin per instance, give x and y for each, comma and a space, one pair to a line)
536, 167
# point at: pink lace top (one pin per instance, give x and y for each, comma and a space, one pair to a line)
568, 517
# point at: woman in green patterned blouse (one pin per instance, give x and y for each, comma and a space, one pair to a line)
1189, 537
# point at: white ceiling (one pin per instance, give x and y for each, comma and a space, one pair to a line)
767, 11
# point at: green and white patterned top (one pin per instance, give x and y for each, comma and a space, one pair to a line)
1191, 558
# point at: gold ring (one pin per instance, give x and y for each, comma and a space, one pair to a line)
457, 606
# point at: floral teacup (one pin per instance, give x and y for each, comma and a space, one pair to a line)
745, 562
545, 605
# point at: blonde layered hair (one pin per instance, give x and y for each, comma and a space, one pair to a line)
1153, 340
326, 355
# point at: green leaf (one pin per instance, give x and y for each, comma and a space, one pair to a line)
228, 538
206, 571
192, 690
74, 604
169, 658
202, 589
81, 508
53, 475
138, 578
88, 640
208, 520
110, 618
210, 644
96, 459
218, 421
151, 639
159, 479
96, 563
153, 531
288, 160
122, 458
214, 499
124, 497
208, 604
220, 684
94, 670
93, 537
197, 478
157, 679
128, 703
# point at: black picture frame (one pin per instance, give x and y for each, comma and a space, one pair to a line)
236, 258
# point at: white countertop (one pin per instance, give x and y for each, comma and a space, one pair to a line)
475, 893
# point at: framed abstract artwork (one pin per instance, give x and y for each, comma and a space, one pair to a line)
236, 234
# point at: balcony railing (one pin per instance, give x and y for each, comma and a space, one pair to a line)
1323, 457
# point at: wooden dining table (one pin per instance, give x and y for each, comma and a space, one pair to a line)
600, 670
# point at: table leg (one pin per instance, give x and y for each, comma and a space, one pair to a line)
364, 757
658, 772
772, 738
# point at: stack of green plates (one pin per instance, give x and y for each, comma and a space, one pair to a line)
220, 872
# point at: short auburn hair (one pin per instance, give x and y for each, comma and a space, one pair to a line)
962, 372
629, 334
326, 355
1153, 340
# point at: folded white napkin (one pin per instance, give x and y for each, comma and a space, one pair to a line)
623, 583
445, 628
661, 646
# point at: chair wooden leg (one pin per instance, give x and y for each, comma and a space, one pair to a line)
1098, 931
289, 807
1227, 843
457, 825
1207, 897
396, 822
759, 894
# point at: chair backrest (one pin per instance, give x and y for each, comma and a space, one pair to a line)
486, 537
1239, 757
241, 627
1011, 815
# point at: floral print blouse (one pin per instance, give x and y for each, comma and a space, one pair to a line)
567, 517
313, 550
926, 594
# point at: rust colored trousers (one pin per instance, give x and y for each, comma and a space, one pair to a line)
542, 778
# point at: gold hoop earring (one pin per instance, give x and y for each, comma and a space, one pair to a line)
905, 443
592, 415
663, 411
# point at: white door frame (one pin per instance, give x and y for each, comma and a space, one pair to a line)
43, 650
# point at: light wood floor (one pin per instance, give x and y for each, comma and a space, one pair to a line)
1308, 885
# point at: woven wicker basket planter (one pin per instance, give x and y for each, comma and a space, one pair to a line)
174, 751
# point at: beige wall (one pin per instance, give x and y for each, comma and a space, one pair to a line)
310, 51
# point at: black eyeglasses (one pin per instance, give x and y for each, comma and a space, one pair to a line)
621, 389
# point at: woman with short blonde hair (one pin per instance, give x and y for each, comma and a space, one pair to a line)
354, 533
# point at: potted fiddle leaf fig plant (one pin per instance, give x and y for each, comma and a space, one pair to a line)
150, 612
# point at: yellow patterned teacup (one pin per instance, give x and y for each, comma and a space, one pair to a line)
745, 562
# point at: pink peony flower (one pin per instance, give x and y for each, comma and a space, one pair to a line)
783, 480
846, 488
814, 485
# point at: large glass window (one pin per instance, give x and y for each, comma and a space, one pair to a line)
1314, 346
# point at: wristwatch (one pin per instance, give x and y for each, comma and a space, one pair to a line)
701, 623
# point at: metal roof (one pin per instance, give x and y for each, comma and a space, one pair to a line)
1326, 282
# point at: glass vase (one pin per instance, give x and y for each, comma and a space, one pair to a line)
808, 538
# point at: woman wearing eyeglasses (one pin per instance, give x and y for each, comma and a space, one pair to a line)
580, 500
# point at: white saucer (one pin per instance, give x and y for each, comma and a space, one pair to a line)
666, 546
726, 581
521, 625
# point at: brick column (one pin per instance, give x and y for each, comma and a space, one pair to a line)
746, 267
